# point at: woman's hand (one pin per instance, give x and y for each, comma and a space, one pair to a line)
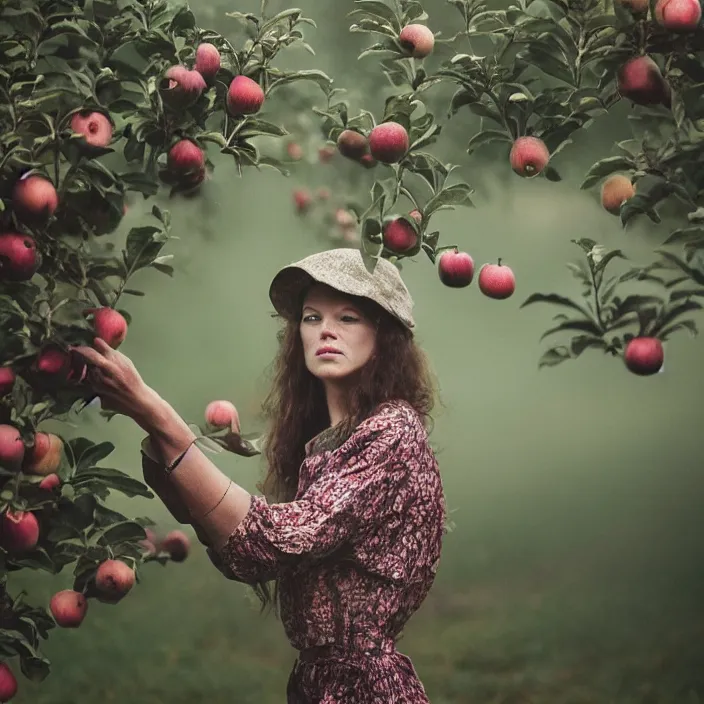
115, 379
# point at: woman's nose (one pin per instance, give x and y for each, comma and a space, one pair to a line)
328, 331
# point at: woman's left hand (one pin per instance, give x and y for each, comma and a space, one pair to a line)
115, 379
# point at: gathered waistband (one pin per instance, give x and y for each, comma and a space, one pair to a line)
331, 650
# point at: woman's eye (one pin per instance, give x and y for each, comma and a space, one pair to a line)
349, 318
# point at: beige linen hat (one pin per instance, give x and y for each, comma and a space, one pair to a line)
344, 270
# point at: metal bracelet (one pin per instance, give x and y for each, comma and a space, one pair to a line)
219, 502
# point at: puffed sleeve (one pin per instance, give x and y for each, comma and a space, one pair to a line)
352, 494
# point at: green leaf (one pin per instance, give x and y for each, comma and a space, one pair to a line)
427, 138
645, 200
448, 198
554, 356
696, 275
688, 325
143, 246
254, 127
585, 244
552, 174
690, 237
112, 479
606, 167
557, 300
92, 455
385, 193
460, 99
633, 304
378, 10
184, 19
140, 182
485, 137
163, 216
125, 532
321, 79
581, 343
673, 313
582, 325
604, 259
37, 559
548, 63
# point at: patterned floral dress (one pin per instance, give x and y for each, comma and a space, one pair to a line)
355, 552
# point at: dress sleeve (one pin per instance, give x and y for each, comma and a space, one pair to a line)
351, 496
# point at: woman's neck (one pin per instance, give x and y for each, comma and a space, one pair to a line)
337, 406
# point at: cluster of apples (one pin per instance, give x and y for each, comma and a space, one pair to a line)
184, 86
639, 80
54, 365
455, 268
35, 199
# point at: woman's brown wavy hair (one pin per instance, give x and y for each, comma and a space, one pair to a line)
296, 409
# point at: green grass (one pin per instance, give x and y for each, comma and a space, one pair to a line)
565, 633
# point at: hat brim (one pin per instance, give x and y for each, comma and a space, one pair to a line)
286, 291
344, 271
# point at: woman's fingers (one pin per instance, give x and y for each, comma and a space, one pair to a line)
102, 346
91, 355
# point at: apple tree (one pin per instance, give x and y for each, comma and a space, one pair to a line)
547, 70
100, 102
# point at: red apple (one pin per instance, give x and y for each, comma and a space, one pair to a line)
50, 482
177, 544
7, 381
222, 414
678, 15
368, 161
399, 236
302, 200
19, 258
326, 153
53, 360
34, 197
294, 150
45, 456
8, 683
94, 126
207, 60
244, 96
456, 269
615, 191
185, 157
496, 281
68, 608
529, 156
12, 447
417, 40
640, 81
416, 215
388, 142
344, 218
114, 579
352, 145
109, 324
184, 87
19, 531
644, 355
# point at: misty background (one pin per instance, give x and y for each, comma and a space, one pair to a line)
574, 572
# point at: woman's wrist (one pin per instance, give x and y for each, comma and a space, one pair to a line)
153, 411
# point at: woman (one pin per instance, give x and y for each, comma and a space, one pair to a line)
354, 542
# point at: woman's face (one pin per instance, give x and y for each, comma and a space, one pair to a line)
331, 321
